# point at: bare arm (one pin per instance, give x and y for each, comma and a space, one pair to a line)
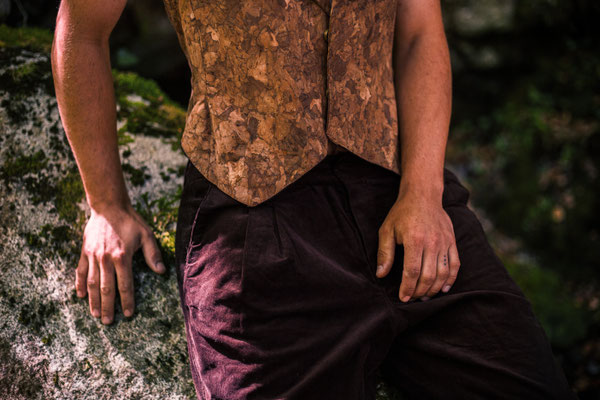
86, 101
423, 83
85, 96
424, 96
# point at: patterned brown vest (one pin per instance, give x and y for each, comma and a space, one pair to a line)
273, 81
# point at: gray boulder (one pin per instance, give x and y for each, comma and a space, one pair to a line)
50, 344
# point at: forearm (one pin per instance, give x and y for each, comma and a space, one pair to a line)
424, 99
86, 102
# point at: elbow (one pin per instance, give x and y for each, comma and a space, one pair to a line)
72, 28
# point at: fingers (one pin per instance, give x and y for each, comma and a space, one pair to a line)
443, 271
413, 253
454, 265
107, 289
98, 279
125, 283
106, 264
152, 253
385, 253
428, 271
93, 286
81, 274
436, 270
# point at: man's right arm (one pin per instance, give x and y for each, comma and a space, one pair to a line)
85, 95
84, 91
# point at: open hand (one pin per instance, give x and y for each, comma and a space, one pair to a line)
431, 259
110, 238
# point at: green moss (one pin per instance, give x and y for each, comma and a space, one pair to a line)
13, 42
25, 169
137, 176
165, 177
127, 83
155, 115
16, 166
22, 72
58, 240
47, 340
33, 38
35, 314
122, 137
161, 215
69, 192
23, 79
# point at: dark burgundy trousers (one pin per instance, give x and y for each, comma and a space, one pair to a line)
281, 300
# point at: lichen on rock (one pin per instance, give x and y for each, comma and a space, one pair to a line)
50, 344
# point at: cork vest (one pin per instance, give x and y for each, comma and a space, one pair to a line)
273, 81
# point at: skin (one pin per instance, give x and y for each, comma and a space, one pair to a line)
84, 90
86, 102
417, 219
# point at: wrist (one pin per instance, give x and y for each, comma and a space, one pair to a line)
424, 189
101, 206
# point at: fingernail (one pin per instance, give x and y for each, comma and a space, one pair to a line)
96, 312
161, 267
446, 288
79, 293
406, 298
127, 312
425, 298
379, 269
105, 320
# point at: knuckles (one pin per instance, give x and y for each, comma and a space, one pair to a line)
427, 278
417, 238
434, 238
147, 234
412, 272
444, 274
105, 290
92, 283
124, 289
104, 257
384, 230
381, 255
119, 256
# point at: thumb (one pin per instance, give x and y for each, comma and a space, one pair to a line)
152, 253
385, 252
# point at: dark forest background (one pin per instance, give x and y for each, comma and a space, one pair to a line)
525, 139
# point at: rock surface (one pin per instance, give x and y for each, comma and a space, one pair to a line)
50, 344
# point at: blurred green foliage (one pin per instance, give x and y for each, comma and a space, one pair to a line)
531, 142
526, 136
31, 37
564, 320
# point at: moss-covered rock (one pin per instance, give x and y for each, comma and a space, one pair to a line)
31, 38
50, 344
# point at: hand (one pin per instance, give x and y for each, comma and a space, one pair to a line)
431, 259
110, 238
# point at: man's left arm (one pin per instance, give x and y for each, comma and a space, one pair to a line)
423, 84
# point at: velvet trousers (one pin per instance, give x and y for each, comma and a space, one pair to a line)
281, 300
